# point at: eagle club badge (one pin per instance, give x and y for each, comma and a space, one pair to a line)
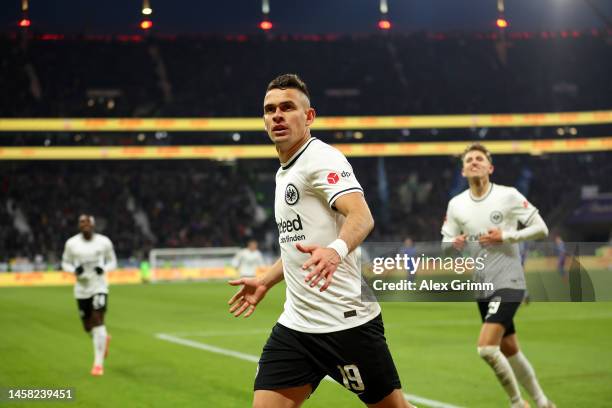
292, 195
496, 217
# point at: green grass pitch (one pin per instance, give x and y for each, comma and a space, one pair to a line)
433, 344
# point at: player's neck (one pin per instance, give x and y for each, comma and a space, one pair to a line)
479, 186
87, 236
285, 155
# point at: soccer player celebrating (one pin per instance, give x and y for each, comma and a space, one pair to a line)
89, 256
247, 260
325, 328
485, 217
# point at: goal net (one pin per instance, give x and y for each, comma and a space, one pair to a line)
176, 264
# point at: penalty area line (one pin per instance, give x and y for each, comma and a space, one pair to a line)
254, 359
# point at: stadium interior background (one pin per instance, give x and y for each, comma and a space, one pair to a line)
142, 204
151, 120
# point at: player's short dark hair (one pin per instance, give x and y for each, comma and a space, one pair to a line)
478, 147
289, 81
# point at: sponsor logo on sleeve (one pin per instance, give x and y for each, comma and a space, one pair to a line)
332, 178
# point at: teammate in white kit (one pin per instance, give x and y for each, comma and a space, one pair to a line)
90, 256
247, 260
322, 216
484, 220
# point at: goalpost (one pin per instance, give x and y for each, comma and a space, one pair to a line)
176, 264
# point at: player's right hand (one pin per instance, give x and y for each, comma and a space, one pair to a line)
78, 270
459, 242
247, 298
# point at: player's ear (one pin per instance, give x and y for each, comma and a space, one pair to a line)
491, 168
310, 116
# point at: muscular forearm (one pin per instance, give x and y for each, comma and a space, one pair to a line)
536, 229
274, 275
356, 227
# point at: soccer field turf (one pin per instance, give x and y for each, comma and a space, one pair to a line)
433, 344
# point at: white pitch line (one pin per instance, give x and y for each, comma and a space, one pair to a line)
208, 347
254, 359
227, 333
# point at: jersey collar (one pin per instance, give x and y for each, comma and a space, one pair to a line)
483, 197
297, 154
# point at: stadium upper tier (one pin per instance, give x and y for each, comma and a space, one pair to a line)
348, 76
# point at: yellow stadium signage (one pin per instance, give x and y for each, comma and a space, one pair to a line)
534, 147
322, 123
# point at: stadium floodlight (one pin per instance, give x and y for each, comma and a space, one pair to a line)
146, 8
502, 23
384, 7
265, 9
265, 25
384, 24
500, 6
146, 24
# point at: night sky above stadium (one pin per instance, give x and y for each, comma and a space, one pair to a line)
301, 16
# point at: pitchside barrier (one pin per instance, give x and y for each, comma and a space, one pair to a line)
177, 274
120, 276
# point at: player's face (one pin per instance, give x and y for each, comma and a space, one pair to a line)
476, 165
252, 245
287, 117
85, 225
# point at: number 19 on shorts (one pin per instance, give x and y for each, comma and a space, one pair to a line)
351, 377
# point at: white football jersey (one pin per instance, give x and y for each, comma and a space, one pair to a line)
501, 207
98, 251
306, 188
247, 262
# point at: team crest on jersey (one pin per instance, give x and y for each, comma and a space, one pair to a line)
496, 217
292, 195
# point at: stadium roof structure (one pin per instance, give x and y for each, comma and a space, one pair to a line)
315, 16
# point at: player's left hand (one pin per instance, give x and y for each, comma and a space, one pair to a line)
493, 237
99, 270
325, 262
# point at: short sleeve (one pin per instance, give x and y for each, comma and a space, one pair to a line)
332, 175
450, 227
520, 208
